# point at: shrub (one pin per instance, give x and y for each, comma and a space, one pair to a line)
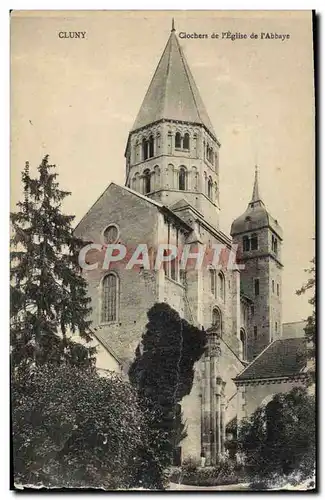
279, 439
72, 428
227, 472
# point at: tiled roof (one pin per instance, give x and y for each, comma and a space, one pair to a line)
172, 93
282, 358
97, 334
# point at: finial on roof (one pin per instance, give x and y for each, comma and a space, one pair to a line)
256, 195
173, 25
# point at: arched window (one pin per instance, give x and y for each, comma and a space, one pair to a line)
210, 186
213, 282
216, 161
157, 177
221, 286
186, 141
151, 146
216, 192
110, 234
109, 298
254, 242
146, 181
145, 149
246, 245
217, 320
182, 179
135, 181
178, 140
243, 343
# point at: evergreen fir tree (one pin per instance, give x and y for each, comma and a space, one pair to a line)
49, 299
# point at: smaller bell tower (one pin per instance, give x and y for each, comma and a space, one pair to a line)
259, 238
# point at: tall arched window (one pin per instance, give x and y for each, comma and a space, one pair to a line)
213, 282
243, 343
217, 320
246, 244
178, 140
216, 191
145, 149
182, 179
186, 141
210, 186
221, 286
146, 181
254, 242
109, 298
135, 181
151, 146
157, 177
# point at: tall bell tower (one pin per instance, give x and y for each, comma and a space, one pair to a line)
172, 151
259, 238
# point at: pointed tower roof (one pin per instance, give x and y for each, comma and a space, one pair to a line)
172, 93
256, 215
255, 195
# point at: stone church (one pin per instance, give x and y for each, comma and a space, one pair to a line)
171, 195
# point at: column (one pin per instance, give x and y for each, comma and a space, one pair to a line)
218, 417
223, 425
214, 411
206, 415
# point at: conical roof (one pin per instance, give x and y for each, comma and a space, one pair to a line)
172, 93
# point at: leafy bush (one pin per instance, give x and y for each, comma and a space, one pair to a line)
279, 439
227, 472
190, 464
72, 428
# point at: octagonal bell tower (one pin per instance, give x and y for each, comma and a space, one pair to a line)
172, 151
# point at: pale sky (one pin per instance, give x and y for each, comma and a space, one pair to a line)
76, 99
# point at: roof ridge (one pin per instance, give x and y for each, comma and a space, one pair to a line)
188, 79
168, 70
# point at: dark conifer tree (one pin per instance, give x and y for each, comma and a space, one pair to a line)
163, 372
48, 293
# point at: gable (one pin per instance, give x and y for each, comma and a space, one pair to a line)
123, 207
